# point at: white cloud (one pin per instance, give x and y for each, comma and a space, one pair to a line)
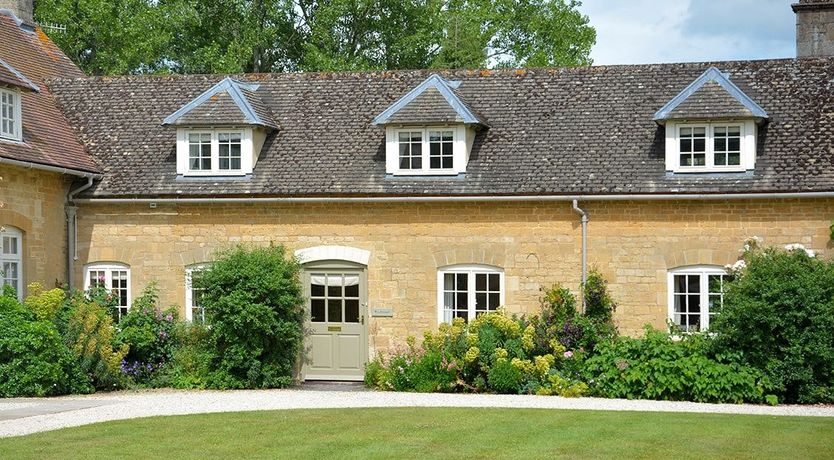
651, 31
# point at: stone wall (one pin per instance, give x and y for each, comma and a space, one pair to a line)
537, 243
33, 202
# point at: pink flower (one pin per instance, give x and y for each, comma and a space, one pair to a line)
568, 354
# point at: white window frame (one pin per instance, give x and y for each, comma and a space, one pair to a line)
747, 146
704, 271
189, 294
462, 139
108, 268
471, 270
17, 118
246, 152
17, 258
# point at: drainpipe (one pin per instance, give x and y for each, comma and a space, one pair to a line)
72, 229
584, 215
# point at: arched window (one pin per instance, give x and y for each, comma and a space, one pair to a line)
194, 310
696, 294
466, 291
11, 259
113, 276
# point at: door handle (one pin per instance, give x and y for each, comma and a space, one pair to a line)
362, 319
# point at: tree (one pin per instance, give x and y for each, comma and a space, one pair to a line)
108, 37
230, 36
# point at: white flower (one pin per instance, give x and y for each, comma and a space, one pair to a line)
738, 266
800, 247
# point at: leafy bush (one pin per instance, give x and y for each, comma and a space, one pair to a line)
493, 353
599, 305
778, 313
89, 334
44, 304
33, 359
253, 299
190, 359
148, 333
658, 367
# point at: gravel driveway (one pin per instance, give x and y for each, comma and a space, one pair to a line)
24, 416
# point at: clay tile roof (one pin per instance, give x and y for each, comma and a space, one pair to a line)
11, 77
587, 130
47, 138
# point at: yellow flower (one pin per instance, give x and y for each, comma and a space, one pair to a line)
527, 341
501, 353
472, 354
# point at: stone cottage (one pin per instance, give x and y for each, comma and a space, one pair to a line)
413, 197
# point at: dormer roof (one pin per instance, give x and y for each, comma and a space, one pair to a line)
229, 102
712, 96
11, 77
432, 101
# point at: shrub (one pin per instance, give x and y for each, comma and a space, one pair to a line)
658, 367
148, 333
778, 313
44, 304
190, 359
494, 353
599, 305
89, 335
253, 298
33, 359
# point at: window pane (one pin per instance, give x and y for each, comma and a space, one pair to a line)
435, 163
351, 286
462, 281
686, 160
680, 304
462, 300
317, 286
447, 163
317, 310
680, 284
481, 301
733, 159
734, 144
449, 281
480, 281
699, 131
352, 311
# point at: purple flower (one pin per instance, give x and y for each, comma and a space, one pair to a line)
568, 354
169, 318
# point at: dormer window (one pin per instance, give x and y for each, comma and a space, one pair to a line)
711, 126
426, 149
10, 114
711, 147
217, 152
429, 131
222, 131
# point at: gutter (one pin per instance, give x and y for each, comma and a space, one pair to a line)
55, 169
584, 215
72, 228
471, 198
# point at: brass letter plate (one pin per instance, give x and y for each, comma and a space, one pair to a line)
334, 328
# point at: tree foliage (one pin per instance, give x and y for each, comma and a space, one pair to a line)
106, 37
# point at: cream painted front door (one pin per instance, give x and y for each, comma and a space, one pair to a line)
337, 345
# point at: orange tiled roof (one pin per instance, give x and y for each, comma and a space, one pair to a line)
47, 137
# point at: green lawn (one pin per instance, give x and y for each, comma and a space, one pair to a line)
437, 433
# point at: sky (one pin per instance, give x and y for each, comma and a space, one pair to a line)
652, 31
